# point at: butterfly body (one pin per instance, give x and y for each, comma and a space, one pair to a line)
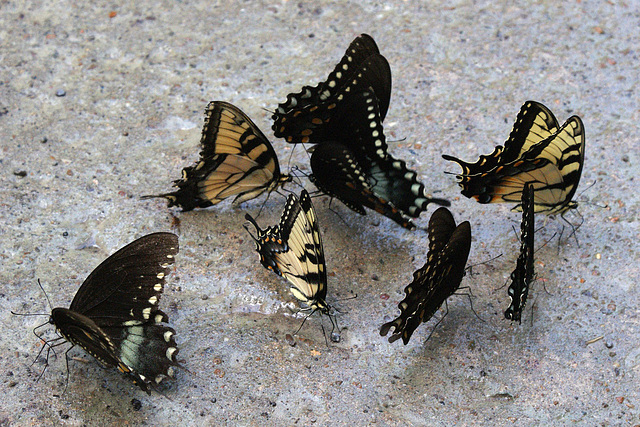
437, 280
115, 317
236, 160
538, 151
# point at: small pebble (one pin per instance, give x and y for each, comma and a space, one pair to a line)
60, 92
290, 340
21, 174
608, 344
136, 404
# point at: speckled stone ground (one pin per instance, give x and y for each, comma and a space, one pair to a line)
135, 81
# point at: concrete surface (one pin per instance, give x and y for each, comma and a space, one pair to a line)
136, 80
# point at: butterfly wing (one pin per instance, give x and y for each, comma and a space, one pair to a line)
293, 249
336, 172
236, 159
523, 274
356, 60
438, 279
115, 316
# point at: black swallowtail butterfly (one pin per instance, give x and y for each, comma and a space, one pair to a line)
438, 279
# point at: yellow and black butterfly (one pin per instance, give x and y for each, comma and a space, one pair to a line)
522, 275
115, 317
236, 159
538, 151
438, 279
293, 250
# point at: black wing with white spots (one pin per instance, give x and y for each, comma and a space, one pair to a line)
361, 66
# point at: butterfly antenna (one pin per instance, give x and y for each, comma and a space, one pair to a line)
45, 295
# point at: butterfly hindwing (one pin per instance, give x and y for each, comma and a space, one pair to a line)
523, 274
236, 160
336, 172
115, 317
438, 279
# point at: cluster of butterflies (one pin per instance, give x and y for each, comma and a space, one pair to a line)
115, 315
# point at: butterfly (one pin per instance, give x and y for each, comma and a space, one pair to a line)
293, 250
539, 151
236, 159
301, 118
114, 316
351, 161
438, 279
523, 274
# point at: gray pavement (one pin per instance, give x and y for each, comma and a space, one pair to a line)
100, 104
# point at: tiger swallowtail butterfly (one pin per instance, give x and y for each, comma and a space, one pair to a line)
236, 159
538, 151
293, 250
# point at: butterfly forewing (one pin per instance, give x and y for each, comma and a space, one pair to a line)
534, 124
361, 61
236, 159
313, 123
438, 279
523, 274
